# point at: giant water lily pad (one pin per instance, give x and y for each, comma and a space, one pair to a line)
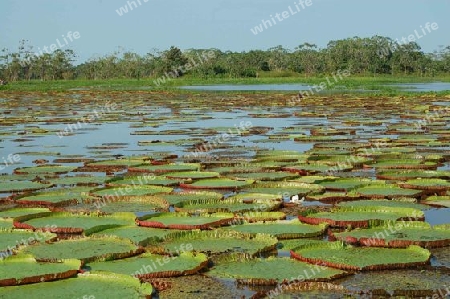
228, 205
402, 164
147, 180
166, 168
96, 285
150, 265
338, 255
11, 240
222, 183
433, 185
130, 190
286, 188
443, 201
45, 169
192, 175
271, 271
141, 236
61, 197
64, 222
111, 204
85, 249
384, 203
399, 234
410, 283
175, 198
361, 216
412, 174
264, 176
345, 184
282, 229
81, 180
219, 241
386, 191
21, 186
17, 212
185, 221
23, 269
117, 164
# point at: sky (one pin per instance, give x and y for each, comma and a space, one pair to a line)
221, 24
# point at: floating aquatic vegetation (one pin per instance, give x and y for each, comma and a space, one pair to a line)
85, 249
282, 229
361, 216
23, 269
346, 257
185, 221
398, 235
218, 241
98, 285
270, 271
149, 265
70, 223
220, 183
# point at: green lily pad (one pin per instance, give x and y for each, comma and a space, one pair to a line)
11, 240
385, 191
85, 249
282, 229
363, 216
73, 223
23, 269
150, 265
175, 198
193, 175
271, 271
399, 235
443, 201
228, 205
21, 186
141, 236
223, 183
61, 197
340, 256
130, 190
166, 168
93, 285
45, 169
184, 221
17, 212
147, 180
82, 180
219, 241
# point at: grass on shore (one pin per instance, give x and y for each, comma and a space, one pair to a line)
372, 85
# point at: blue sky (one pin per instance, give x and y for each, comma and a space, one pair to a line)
222, 24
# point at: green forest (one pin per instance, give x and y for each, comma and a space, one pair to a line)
372, 56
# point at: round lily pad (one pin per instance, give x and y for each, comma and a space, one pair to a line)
184, 221
141, 236
340, 256
223, 183
398, 235
85, 249
21, 186
66, 223
282, 229
361, 216
149, 265
94, 285
23, 269
271, 271
45, 169
218, 241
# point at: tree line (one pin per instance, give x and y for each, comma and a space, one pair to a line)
361, 56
